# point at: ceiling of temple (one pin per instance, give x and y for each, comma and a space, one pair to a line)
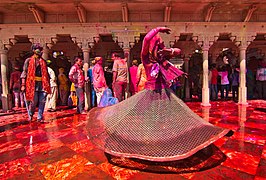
242, 10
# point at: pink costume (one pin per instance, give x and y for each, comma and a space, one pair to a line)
150, 57
154, 124
99, 82
133, 79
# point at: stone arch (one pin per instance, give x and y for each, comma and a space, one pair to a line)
256, 51
224, 46
19, 50
62, 51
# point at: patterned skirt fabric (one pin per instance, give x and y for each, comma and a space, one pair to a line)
151, 125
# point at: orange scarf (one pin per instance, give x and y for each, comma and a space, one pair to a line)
30, 81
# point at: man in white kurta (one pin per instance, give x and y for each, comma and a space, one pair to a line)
52, 98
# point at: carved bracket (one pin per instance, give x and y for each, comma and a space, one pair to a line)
125, 39
244, 41
5, 44
83, 42
38, 14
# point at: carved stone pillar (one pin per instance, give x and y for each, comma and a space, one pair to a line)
45, 52
85, 43
205, 83
6, 97
127, 55
242, 90
86, 57
125, 39
242, 41
187, 87
168, 39
205, 42
46, 43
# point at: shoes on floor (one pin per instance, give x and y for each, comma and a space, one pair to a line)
30, 118
40, 120
51, 110
83, 112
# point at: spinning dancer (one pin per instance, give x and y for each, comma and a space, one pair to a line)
154, 124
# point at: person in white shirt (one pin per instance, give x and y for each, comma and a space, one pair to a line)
52, 98
224, 82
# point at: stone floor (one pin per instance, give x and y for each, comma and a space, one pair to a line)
61, 149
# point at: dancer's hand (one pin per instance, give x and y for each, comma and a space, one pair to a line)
164, 52
185, 75
165, 30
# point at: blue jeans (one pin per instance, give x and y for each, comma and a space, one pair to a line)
39, 96
93, 97
214, 91
81, 99
226, 88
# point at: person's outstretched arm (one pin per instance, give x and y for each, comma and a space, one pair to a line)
149, 36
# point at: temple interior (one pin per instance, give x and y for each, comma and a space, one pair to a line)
204, 30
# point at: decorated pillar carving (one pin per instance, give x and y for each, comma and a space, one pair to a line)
205, 42
45, 52
125, 39
205, 83
127, 56
86, 57
85, 44
243, 42
187, 87
168, 39
6, 97
242, 98
46, 42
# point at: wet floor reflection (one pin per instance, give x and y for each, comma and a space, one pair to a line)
60, 148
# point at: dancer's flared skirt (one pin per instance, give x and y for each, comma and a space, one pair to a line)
151, 125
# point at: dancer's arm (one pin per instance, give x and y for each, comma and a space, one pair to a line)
149, 36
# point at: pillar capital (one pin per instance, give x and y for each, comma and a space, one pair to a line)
205, 41
86, 49
243, 41
5, 44
46, 50
243, 47
83, 43
42, 39
3, 51
126, 49
206, 46
6, 104
125, 39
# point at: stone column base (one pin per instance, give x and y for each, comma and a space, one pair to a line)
205, 97
7, 102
